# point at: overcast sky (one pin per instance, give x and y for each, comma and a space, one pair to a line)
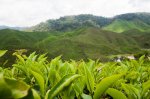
32, 12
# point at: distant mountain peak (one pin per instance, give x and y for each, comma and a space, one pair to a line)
14, 28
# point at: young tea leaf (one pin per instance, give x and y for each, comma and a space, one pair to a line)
105, 84
64, 82
89, 79
2, 52
40, 81
19, 89
116, 94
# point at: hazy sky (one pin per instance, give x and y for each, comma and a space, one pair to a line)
31, 12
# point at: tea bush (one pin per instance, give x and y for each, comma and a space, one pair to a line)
34, 77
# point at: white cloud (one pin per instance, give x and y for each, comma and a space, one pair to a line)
31, 12
140, 5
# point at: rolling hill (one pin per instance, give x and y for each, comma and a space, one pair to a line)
142, 38
91, 43
78, 44
14, 39
120, 26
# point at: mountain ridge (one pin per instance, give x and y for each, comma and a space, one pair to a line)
68, 23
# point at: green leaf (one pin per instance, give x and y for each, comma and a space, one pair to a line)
146, 87
2, 52
84, 96
141, 59
64, 82
5, 91
32, 94
131, 91
105, 84
22, 68
79, 85
89, 79
19, 57
91, 65
116, 94
40, 81
55, 63
19, 89
64, 69
77, 89
35, 94
53, 77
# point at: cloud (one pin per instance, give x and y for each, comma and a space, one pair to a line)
139, 2
140, 5
32, 12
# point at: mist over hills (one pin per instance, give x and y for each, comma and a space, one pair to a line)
14, 28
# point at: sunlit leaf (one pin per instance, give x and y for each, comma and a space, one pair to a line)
64, 82
2, 52
40, 81
105, 84
116, 94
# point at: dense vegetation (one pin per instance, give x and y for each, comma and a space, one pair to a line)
33, 77
69, 23
119, 23
79, 44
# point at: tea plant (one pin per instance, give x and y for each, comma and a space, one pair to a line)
34, 77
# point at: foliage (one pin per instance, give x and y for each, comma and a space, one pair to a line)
83, 43
33, 77
69, 23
